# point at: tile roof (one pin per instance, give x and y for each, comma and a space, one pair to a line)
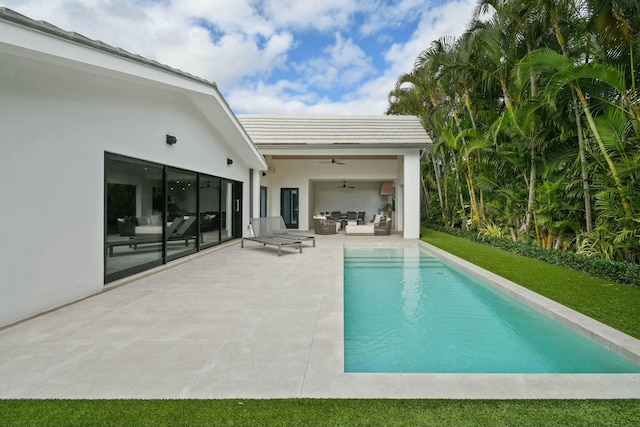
12, 16
372, 130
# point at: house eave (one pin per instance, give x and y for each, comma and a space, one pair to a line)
291, 147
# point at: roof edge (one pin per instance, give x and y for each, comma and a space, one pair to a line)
339, 145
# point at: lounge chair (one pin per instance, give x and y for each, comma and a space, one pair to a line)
134, 241
263, 235
185, 231
276, 225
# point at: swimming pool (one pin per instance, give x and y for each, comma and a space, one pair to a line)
407, 311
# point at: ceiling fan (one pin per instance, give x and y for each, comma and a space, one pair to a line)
334, 161
344, 185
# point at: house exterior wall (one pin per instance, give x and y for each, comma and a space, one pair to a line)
57, 124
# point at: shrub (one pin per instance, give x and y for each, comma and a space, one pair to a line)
620, 272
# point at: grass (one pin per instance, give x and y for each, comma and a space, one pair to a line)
610, 303
613, 304
319, 412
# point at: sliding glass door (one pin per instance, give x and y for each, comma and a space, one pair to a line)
210, 212
134, 212
156, 213
182, 213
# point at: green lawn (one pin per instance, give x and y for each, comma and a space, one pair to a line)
319, 412
613, 304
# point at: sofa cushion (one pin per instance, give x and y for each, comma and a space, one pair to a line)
367, 229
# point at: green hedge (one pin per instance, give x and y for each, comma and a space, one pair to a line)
620, 272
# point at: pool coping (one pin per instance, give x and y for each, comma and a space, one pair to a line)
336, 383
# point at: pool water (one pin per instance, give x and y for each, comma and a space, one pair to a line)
406, 311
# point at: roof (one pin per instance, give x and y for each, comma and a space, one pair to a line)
311, 130
45, 27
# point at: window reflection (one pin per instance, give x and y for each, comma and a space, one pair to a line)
151, 219
182, 213
210, 214
133, 217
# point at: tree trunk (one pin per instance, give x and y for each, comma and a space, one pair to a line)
583, 166
581, 148
436, 172
459, 189
607, 157
532, 190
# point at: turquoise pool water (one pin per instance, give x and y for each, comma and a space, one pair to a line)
407, 311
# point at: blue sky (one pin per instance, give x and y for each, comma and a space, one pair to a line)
271, 56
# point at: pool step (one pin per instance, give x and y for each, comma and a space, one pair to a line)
379, 262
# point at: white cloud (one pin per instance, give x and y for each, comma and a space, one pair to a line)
240, 43
392, 14
344, 64
235, 16
325, 15
369, 97
449, 19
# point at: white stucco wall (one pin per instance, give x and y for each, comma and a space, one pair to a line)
57, 123
411, 195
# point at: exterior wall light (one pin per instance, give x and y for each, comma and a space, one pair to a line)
229, 161
171, 139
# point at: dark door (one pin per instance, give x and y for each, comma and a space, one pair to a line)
231, 210
237, 206
263, 202
289, 206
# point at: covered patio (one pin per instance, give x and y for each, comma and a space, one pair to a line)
317, 164
236, 323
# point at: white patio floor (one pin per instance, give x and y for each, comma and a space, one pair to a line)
237, 323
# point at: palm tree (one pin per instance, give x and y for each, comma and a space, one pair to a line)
533, 109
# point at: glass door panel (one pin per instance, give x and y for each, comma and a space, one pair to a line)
133, 216
263, 201
209, 210
289, 206
237, 209
227, 208
182, 224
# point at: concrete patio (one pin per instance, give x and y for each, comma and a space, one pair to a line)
237, 323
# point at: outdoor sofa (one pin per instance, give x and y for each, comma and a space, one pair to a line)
380, 226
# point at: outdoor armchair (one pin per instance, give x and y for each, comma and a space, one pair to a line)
325, 226
382, 228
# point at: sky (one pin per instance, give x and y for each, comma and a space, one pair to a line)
271, 56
